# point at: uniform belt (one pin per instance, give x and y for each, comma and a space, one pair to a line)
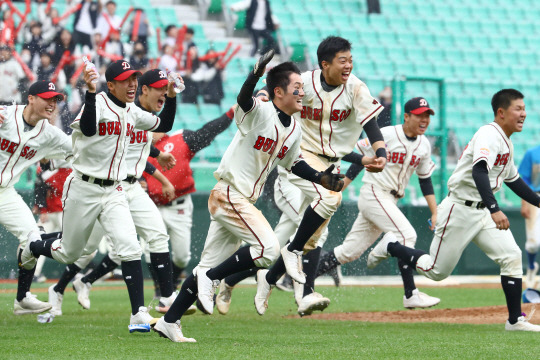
175, 202
100, 182
331, 159
476, 204
396, 195
131, 179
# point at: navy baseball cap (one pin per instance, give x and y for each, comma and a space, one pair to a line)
120, 70
417, 106
45, 90
154, 78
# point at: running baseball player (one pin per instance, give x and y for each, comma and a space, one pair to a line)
94, 190
26, 136
470, 212
409, 151
529, 169
145, 214
267, 136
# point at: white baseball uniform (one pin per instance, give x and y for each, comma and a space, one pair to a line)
19, 149
96, 158
377, 206
459, 218
260, 144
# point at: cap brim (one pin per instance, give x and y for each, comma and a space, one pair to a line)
51, 94
422, 110
126, 74
160, 83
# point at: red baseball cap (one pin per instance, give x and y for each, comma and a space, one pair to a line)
120, 70
417, 106
45, 89
155, 78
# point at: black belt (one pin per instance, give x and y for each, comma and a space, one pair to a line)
479, 204
396, 195
331, 159
131, 179
100, 182
175, 202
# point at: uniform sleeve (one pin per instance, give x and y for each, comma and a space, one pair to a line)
145, 120
513, 174
60, 145
293, 156
525, 168
249, 120
363, 146
426, 166
485, 148
366, 106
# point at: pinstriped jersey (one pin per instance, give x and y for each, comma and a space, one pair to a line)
333, 121
260, 144
103, 155
20, 149
489, 144
404, 158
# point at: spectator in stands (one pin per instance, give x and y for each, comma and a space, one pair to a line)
35, 44
209, 79
114, 46
385, 98
46, 70
85, 22
49, 27
144, 31
168, 61
139, 58
108, 20
63, 42
11, 74
259, 22
171, 32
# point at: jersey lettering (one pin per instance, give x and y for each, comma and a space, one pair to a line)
310, 113
12, 147
502, 159
283, 152
401, 158
265, 144
28, 153
139, 137
259, 143
340, 115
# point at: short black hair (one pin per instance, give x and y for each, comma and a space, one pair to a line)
190, 31
169, 27
278, 76
329, 47
503, 98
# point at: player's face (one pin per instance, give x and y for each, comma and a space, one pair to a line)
338, 71
416, 124
44, 108
292, 99
124, 90
156, 98
514, 116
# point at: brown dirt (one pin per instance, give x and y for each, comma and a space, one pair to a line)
478, 315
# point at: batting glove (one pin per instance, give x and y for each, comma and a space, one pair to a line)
260, 66
332, 181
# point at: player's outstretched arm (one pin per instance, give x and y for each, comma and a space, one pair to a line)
199, 139
325, 178
245, 96
168, 113
521, 189
88, 119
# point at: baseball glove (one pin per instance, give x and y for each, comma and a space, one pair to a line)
260, 66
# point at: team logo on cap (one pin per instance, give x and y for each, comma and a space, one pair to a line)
125, 65
162, 75
423, 102
51, 86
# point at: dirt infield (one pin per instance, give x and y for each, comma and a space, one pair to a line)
479, 315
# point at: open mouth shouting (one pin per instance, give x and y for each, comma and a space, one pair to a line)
131, 94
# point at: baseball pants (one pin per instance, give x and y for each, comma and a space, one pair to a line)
15, 215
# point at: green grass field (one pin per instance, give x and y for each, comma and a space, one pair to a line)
101, 332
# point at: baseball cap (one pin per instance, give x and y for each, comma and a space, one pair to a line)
119, 70
45, 89
418, 105
154, 78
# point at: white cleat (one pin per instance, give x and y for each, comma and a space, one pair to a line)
223, 299
380, 251
420, 300
530, 279
55, 299
264, 289
293, 264
141, 321
28, 260
521, 325
312, 302
206, 290
166, 302
172, 331
83, 292
298, 292
30, 305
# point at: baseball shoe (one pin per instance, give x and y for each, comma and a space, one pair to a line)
27, 260
420, 300
312, 302
380, 251
285, 284
166, 302
172, 331
30, 305
293, 264
298, 292
264, 289
206, 291
141, 321
191, 310
83, 292
530, 279
55, 299
223, 299
521, 325
39, 279
335, 274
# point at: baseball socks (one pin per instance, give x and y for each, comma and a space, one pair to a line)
239, 261
512, 291
327, 262
408, 255
132, 272
531, 258
68, 275
105, 266
308, 226
161, 265
24, 282
310, 263
186, 298
234, 279
157, 291
176, 272
407, 277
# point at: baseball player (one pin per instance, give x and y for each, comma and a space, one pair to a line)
26, 136
470, 212
529, 169
409, 151
267, 136
94, 190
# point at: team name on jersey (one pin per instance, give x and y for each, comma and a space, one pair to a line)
8, 146
399, 158
113, 128
315, 114
268, 145
139, 137
502, 159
